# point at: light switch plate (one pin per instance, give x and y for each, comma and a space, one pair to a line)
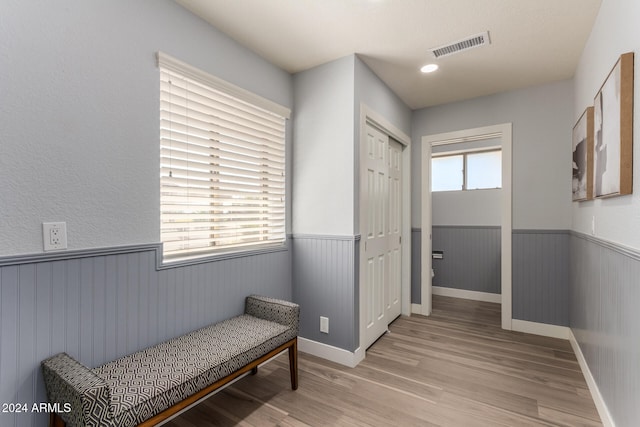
324, 324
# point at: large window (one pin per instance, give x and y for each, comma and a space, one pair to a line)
466, 171
222, 165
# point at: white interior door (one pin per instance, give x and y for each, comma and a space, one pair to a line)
394, 232
381, 244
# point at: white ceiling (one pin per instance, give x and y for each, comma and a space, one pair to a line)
532, 41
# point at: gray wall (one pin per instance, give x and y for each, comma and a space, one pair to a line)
476, 207
323, 156
79, 120
615, 32
325, 284
375, 94
98, 307
540, 263
541, 180
466, 226
79, 132
326, 192
541, 117
540, 276
327, 139
471, 258
83, 67
604, 290
605, 320
323, 202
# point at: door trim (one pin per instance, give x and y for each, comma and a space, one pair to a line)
368, 115
504, 131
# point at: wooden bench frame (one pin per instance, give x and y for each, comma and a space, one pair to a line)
292, 346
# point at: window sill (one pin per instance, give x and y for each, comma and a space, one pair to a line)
220, 256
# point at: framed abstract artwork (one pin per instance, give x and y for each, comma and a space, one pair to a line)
613, 132
582, 182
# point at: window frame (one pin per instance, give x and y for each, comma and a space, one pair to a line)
167, 64
464, 154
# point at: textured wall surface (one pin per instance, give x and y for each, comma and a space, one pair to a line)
325, 284
474, 208
79, 132
604, 317
542, 121
323, 158
471, 258
540, 277
615, 32
98, 308
79, 117
605, 266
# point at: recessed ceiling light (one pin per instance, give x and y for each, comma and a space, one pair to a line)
429, 68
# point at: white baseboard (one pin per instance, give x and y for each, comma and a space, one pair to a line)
329, 352
566, 333
416, 308
603, 411
461, 293
544, 329
351, 359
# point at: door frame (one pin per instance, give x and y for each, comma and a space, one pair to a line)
368, 115
504, 132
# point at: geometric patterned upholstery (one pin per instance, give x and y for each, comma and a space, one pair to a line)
129, 390
283, 312
154, 379
68, 381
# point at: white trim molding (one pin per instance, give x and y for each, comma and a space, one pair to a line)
564, 332
329, 352
464, 294
171, 63
504, 131
544, 329
368, 115
601, 406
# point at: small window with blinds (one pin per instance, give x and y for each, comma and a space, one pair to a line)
222, 165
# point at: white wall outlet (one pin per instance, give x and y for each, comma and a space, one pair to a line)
324, 324
54, 235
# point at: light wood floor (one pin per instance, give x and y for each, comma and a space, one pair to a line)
454, 368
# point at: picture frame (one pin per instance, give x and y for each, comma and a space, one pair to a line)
613, 132
582, 145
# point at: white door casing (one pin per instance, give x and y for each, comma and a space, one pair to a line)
504, 132
426, 221
368, 117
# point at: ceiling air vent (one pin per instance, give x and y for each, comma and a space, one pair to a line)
459, 46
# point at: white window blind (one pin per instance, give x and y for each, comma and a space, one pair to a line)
222, 165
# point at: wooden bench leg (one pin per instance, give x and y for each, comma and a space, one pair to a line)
55, 420
293, 364
254, 370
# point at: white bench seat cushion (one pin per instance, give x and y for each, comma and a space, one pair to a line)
149, 381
